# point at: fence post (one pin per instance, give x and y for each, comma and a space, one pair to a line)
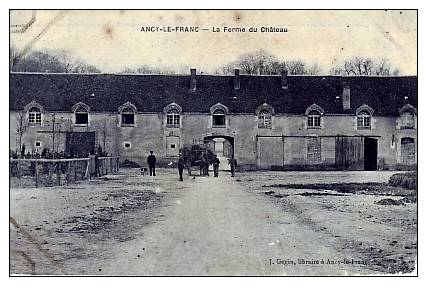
36, 173
82, 169
75, 170
68, 172
87, 173
18, 169
58, 173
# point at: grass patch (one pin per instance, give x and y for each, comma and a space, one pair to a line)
405, 180
371, 188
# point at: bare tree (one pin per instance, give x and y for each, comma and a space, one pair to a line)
13, 56
57, 61
364, 66
145, 69
68, 62
314, 70
103, 127
21, 127
257, 63
296, 67
263, 63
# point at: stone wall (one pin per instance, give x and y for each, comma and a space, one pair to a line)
150, 133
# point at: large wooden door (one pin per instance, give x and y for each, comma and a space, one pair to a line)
349, 153
270, 153
408, 150
80, 144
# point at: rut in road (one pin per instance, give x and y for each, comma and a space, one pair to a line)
215, 226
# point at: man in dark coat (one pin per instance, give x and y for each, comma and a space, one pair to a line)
233, 165
181, 165
151, 160
216, 163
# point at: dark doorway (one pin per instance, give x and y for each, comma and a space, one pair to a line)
80, 144
370, 154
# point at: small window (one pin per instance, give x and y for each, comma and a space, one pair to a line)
264, 119
82, 116
172, 118
38, 144
172, 146
128, 117
408, 120
34, 116
218, 118
313, 119
127, 145
363, 120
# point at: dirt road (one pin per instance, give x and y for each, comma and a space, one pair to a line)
222, 226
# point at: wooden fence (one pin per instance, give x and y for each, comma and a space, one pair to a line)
51, 172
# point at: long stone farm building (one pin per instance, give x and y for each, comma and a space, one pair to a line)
267, 122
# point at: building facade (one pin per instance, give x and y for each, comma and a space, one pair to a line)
268, 122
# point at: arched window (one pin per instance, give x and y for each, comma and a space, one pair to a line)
34, 115
313, 119
172, 118
128, 116
82, 116
408, 120
363, 120
218, 118
264, 118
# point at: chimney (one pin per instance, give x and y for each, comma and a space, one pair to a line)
346, 96
193, 79
284, 79
236, 79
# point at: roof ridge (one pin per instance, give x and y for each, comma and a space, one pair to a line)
210, 75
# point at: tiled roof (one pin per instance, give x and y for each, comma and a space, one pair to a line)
151, 93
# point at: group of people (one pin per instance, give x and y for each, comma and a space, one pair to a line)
151, 161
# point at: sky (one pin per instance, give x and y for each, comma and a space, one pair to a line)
112, 40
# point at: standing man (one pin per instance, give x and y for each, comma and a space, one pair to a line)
204, 165
151, 160
216, 163
181, 165
233, 165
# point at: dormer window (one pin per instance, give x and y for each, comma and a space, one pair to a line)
82, 116
219, 112
313, 119
172, 118
34, 116
364, 117
128, 116
173, 115
363, 120
314, 116
264, 119
264, 115
218, 118
34, 113
407, 120
127, 113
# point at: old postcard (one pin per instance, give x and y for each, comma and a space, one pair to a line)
213, 142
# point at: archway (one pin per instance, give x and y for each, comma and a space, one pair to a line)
223, 147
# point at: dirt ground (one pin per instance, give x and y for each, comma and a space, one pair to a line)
258, 223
